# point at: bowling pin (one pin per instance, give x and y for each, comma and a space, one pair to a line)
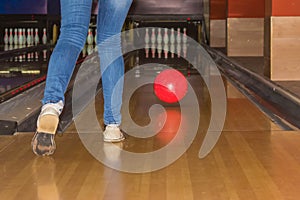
159, 36
24, 36
95, 38
137, 67
90, 37
172, 50
178, 37
89, 49
36, 37
153, 49
153, 36
166, 50
44, 38
6, 47
28, 37
11, 37
32, 36
16, 39
20, 58
36, 56
172, 36
184, 37
137, 61
84, 51
6, 37
44, 55
166, 37
147, 50
147, 38
20, 38
159, 50
28, 57
137, 73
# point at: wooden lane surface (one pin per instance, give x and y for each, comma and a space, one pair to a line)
241, 166
253, 159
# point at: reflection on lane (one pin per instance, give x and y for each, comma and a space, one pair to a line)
22, 67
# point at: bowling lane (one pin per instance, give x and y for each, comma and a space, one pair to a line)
253, 158
22, 80
22, 68
251, 162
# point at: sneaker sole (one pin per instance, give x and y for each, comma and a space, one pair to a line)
114, 140
48, 124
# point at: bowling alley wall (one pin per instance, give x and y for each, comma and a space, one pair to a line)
259, 28
217, 19
238, 26
283, 19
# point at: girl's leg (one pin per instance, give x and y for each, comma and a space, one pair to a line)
111, 17
74, 27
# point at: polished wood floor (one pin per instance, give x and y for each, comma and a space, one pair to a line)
253, 159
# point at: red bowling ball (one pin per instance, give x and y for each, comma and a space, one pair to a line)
170, 86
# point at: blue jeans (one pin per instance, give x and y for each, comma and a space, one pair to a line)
74, 28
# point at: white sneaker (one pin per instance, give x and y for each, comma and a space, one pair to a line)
113, 133
49, 117
43, 143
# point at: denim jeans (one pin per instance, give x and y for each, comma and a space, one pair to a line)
74, 28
